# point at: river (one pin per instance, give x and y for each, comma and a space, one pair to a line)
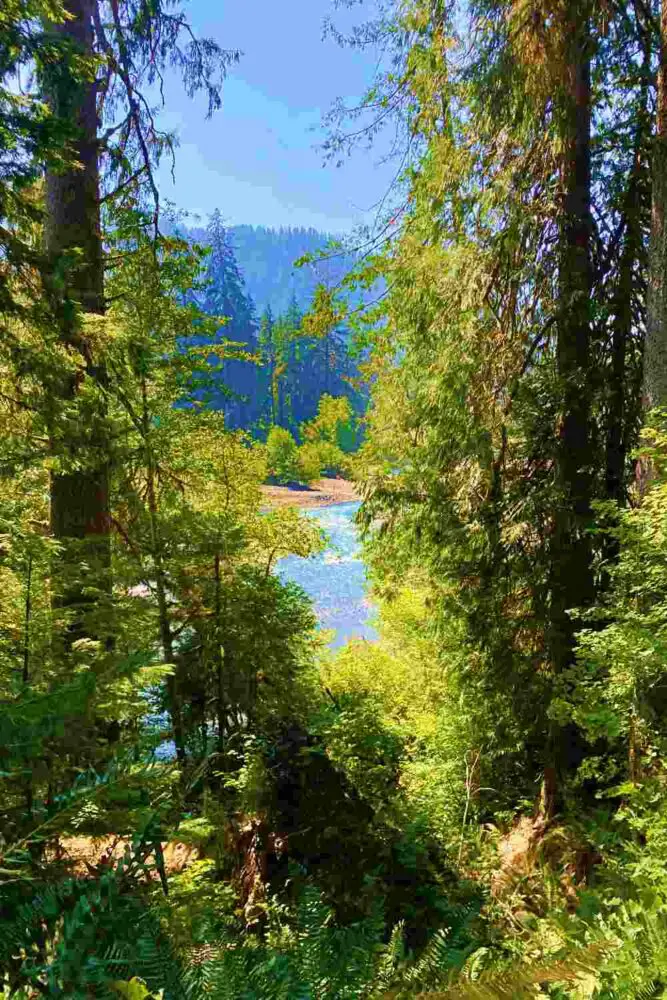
336, 578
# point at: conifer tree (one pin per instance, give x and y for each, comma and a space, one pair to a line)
80, 495
571, 582
655, 366
226, 297
99, 90
514, 284
268, 347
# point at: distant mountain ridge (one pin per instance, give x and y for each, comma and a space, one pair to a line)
266, 259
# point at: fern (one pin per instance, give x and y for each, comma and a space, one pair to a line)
75, 937
311, 960
637, 966
389, 962
522, 980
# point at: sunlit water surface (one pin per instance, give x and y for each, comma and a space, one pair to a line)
336, 578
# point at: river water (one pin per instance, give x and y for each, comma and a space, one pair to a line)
336, 578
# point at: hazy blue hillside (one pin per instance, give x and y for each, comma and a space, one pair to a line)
266, 259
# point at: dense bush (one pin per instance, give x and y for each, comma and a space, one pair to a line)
282, 456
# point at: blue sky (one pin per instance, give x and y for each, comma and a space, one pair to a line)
256, 159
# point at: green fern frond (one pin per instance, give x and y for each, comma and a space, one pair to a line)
521, 980
390, 961
79, 935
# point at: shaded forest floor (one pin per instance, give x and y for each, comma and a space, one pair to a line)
87, 855
322, 493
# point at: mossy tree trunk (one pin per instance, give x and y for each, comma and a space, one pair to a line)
80, 488
571, 578
655, 357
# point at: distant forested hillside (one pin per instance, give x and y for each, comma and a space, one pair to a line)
266, 260
251, 280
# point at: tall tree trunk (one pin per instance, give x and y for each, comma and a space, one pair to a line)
219, 659
27, 623
570, 557
79, 498
622, 331
327, 362
167, 643
166, 634
655, 356
272, 370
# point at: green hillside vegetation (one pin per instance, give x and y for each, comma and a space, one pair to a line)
272, 367
267, 259
329, 441
475, 804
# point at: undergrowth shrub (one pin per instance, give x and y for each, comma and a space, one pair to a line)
282, 455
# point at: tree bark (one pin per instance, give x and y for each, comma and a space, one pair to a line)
571, 579
219, 658
166, 634
79, 498
167, 643
27, 622
655, 354
622, 331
